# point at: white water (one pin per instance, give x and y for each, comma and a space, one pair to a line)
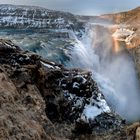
114, 73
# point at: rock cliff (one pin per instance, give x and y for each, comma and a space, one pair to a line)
127, 29
12, 16
40, 100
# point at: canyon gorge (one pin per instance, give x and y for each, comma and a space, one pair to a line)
64, 76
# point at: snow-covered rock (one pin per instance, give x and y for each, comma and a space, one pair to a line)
35, 17
124, 34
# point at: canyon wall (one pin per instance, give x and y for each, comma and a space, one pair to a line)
22, 17
127, 29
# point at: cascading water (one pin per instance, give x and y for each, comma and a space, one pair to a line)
114, 72
96, 51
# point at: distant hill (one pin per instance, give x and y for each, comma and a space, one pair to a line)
129, 17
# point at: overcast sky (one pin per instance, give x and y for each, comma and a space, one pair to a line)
86, 7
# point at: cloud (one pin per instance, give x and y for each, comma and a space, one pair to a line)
88, 7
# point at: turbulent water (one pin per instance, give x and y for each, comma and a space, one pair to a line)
46, 43
113, 71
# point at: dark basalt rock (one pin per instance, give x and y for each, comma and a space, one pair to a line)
83, 127
66, 93
8, 46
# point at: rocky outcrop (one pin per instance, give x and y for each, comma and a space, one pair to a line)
12, 16
42, 100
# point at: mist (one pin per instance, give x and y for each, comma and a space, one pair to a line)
113, 71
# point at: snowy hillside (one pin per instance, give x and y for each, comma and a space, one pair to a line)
36, 17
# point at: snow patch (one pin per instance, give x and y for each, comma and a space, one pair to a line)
123, 34
47, 65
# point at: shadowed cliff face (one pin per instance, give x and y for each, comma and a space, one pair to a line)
42, 100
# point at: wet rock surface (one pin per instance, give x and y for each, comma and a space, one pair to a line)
40, 100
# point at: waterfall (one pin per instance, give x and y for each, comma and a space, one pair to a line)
114, 72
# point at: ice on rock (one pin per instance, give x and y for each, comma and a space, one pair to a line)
95, 108
47, 65
78, 102
90, 112
75, 85
124, 34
